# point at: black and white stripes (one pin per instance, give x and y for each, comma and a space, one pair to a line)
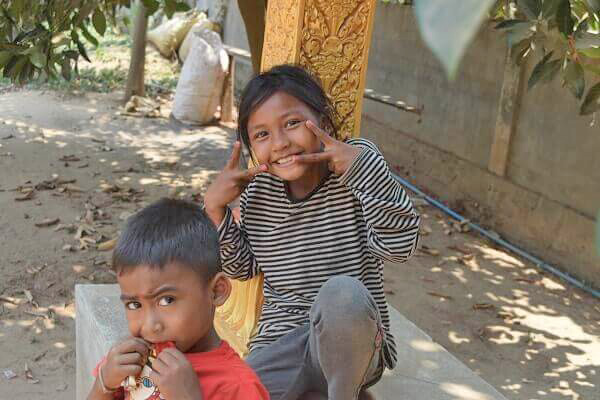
348, 226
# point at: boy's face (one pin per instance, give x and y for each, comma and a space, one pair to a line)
174, 303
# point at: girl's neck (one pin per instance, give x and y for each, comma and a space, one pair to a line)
302, 187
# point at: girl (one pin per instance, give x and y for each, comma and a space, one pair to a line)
318, 218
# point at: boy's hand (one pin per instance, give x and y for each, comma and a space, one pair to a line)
230, 183
174, 376
339, 155
124, 359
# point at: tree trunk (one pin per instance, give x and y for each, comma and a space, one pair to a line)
135, 77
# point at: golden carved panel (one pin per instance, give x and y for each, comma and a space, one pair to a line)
282, 33
335, 46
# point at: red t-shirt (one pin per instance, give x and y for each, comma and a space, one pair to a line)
222, 374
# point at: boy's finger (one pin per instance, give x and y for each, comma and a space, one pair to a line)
131, 369
234, 159
313, 157
130, 358
250, 173
167, 356
320, 133
133, 345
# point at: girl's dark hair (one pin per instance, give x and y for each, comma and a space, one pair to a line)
293, 80
169, 231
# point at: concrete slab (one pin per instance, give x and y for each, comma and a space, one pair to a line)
425, 370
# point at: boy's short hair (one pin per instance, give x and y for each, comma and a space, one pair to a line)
169, 231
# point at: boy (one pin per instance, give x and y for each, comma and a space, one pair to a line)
169, 271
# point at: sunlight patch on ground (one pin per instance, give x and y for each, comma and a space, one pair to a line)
424, 345
463, 392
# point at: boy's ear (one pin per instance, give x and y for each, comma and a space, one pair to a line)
221, 289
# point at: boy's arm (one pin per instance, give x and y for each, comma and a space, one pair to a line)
98, 394
237, 258
392, 221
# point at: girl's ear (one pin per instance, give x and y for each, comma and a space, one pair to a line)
220, 286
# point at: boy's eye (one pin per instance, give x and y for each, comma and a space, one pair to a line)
291, 123
132, 305
165, 301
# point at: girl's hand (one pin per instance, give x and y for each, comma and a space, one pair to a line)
230, 183
174, 376
339, 155
124, 359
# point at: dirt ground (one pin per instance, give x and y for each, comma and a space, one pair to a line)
72, 157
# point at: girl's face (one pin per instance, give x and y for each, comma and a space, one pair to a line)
277, 130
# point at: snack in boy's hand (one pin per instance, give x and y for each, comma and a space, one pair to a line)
143, 382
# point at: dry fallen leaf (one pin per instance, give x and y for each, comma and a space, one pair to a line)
426, 230
47, 222
429, 250
68, 247
69, 158
483, 306
459, 249
108, 245
442, 296
29, 375
526, 280
30, 299
27, 196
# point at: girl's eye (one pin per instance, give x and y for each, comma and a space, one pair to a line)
132, 305
165, 301
292, 123
260, 135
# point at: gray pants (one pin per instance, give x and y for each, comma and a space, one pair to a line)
337, 354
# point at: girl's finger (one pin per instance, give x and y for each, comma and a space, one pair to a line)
313, 157
320, 133
234, 159
250, 173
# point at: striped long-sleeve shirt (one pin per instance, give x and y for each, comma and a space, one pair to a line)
348, 225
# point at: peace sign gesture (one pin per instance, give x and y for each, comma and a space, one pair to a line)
339, 155
230, 183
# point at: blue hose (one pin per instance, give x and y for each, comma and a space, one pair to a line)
539, 263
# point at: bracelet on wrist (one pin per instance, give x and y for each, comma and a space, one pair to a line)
105, 389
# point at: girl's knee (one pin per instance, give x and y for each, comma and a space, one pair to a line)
345, 300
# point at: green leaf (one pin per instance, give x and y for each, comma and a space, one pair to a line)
593, 5
531, 8
88, 36
591, 104
575, 79
564, 18
520, 32
170, 7
65, 69
182, 6
448, 27
543, 71
37, 57
82, 50
5, 56
151, 6
593, 52
99, 21
510, 23
587, 40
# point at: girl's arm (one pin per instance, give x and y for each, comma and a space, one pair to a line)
237, 258
392, 221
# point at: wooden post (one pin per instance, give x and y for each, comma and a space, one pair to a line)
227, 97
507, 115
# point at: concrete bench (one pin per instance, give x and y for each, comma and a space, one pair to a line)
425, 370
